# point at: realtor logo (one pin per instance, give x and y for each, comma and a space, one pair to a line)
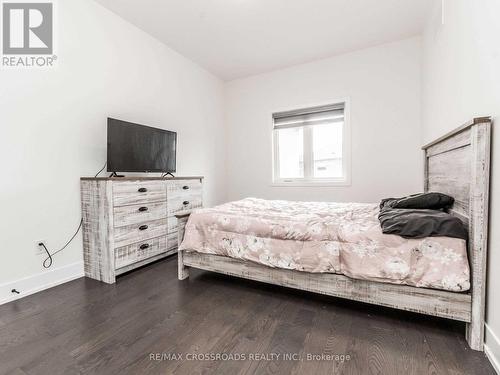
27, 34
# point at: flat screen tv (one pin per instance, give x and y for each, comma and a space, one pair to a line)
139, 148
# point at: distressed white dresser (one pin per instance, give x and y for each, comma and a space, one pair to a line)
129, 222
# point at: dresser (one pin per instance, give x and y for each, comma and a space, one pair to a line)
130, 222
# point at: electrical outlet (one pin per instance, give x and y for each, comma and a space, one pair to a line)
39, 250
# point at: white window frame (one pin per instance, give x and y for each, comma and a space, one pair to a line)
308, 180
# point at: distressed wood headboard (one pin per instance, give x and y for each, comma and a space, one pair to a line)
458, 164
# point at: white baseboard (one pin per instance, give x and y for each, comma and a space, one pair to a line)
492, 347
40, 281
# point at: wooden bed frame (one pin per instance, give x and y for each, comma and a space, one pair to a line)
458, 164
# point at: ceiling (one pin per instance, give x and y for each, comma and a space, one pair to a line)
238, 38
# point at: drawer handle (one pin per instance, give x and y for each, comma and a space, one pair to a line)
144, 246
142, 190
143, 227
185, 187
185, 203
143, 209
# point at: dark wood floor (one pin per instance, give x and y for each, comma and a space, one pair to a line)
87, 327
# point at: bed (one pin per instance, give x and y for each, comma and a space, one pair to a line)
338, 249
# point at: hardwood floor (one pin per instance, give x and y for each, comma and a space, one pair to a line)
88, 327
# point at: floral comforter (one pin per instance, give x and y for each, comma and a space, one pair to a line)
342, 238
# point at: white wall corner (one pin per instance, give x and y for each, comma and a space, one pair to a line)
40, 281
492, 348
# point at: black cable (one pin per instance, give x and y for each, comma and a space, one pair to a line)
47, 263
97, 174
49, 255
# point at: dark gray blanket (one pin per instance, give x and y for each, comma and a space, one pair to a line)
419, 223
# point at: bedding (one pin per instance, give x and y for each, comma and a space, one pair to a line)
319, 237
412, 223
432, 201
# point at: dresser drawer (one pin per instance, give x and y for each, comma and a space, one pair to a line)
139, 232
179, 189
136, 252
139, 213
186, 202
137, 192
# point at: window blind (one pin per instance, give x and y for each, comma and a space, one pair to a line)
309, 116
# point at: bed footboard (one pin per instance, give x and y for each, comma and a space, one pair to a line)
182, 218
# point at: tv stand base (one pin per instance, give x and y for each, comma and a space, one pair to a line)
114, 174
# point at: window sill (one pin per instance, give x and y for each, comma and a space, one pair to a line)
311, 183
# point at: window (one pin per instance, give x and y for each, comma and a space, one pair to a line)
310, 146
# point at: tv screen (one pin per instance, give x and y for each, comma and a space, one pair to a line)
139, 148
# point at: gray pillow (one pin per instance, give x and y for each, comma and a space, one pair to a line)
431, 201
417, 223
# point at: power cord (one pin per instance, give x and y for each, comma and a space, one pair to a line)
104, 166
47, 263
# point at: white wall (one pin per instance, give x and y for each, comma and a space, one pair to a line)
53, 129
461, 80
383, 85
